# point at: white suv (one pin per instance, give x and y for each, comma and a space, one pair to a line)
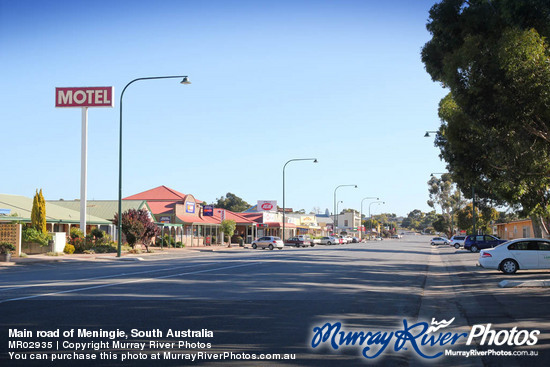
457, 241
270, 242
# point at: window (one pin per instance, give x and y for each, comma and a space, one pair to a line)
544, 246
526, 231
346, 223
524, 246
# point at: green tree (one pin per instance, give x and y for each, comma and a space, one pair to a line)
494, 57
443, 192
228, 228
38, 212
232, 202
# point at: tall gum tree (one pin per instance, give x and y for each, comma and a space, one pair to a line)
494, 57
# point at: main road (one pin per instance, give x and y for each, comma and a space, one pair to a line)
260, 302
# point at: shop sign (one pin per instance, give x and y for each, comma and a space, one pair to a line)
190, 208
208, 210
267, 205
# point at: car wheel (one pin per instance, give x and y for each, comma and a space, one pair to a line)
509, 266
433, 244
254, 246
457, 246
474, 248
328, 243
270, 246
312, 245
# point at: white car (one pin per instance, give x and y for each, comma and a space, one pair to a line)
457, 241
269, 242
329, 241
439, 241
523, 253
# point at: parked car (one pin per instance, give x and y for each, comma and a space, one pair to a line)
457, 241
269, 242
355, 240
523, 253
474, 243
329, 241
439, 241
298, 242
343, 240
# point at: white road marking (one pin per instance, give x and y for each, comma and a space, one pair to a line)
127, 282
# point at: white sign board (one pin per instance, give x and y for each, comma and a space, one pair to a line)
267, 205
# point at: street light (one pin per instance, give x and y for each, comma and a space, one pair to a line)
291, 160
427, 135
185, 80
370, 217
361, 217
334, 207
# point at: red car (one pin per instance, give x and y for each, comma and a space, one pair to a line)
298, 242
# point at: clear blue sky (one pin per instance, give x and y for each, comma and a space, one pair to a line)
341, 81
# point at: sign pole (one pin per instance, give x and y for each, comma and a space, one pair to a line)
83, 169
84, 97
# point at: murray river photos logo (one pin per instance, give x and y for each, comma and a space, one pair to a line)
424, 339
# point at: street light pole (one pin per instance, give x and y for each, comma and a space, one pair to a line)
361, 216
334, 207
185, 80
284, 211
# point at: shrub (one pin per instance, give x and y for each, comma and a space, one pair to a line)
98, 234
32, 235
169, 241
6, 248
104, 249
69, 249
76, 233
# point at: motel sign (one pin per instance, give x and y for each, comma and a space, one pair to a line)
84, 97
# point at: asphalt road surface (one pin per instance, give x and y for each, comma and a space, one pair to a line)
263, 303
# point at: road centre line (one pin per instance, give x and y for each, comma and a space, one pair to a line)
127, 282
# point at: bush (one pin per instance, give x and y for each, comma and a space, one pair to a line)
76, 233
169, 241
69, 249
6, 248
32, 235
179, 244
104, 249
98, 234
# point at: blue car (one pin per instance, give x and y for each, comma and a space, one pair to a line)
481, 241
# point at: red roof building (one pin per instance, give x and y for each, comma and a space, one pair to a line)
182, 215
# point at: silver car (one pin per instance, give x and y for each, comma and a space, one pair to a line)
329, 241
439, 241
269, 242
